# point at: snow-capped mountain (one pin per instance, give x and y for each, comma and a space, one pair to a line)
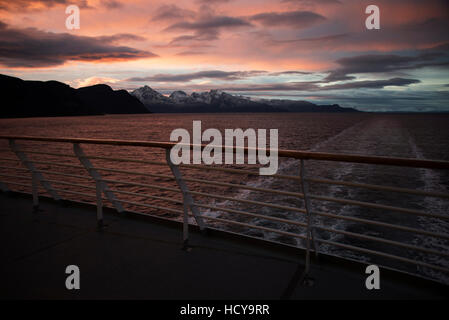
219, 101
146, 95
180, 97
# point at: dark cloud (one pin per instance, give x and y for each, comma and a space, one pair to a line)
111, 4
205, 28
321, 43
201, 36
338, 75
21, 5
291, 72
172, 12
32, 48
382, 62
212, 23
120, 37
314, 86
372, 84
291, 86
387, 63
297, 19
320, 40
210, 74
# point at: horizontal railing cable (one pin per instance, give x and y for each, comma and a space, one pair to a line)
381, 188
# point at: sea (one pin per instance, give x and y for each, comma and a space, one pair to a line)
422, 136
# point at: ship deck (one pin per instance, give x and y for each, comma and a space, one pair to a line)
137, 257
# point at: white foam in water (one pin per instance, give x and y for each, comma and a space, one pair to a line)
363, 138
285, 167
343, 171
432, 183
335, 138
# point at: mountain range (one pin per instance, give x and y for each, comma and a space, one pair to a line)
23, 98
219, 101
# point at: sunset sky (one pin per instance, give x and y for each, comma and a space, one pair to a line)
316, 50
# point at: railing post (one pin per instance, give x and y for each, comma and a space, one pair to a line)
310, 229
187, 198
101, 185
35, 182
36, 175
98, 191
185, 225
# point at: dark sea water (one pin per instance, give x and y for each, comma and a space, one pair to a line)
411, 136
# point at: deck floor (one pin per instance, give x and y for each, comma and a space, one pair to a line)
135, 259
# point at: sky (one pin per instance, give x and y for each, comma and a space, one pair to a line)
314, 50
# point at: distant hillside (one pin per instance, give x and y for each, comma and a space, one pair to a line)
52, 98
218, 101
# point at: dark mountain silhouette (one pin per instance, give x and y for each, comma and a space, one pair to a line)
107, 101
52, 98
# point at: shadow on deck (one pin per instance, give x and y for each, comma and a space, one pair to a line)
141, 258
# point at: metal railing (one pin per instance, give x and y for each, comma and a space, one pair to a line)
42, 182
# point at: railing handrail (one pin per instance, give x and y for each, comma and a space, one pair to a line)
304, 155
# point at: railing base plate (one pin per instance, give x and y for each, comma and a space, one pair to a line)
101, 225
186, 246
307, 281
